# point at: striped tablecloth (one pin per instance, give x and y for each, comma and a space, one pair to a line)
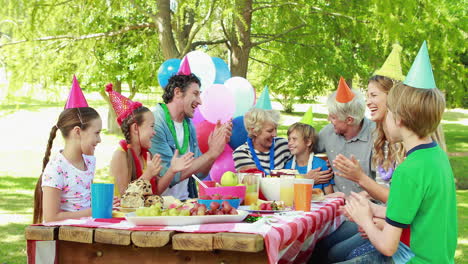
289, 237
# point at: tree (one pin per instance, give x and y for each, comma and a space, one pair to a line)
299, 48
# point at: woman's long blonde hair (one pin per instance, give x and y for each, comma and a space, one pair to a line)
395, 151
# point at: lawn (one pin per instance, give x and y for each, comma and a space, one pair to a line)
18, 178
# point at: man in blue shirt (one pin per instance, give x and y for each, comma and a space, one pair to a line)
174, 129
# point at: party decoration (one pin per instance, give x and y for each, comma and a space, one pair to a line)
76, 97
204, 129
244, 94
392, 66
222, 70
343, 94
184, 67
222, 164
167, 70
123, 106
420, 74
203, 67
239, 133
197, 116
263, 101
217, 104
308, 117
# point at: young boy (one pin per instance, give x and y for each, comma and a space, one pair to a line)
422, 195
301, 140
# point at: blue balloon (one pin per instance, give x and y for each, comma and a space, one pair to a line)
239, 133
166, 70
222, 70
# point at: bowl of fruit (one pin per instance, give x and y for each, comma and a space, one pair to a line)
216, 201
234, 191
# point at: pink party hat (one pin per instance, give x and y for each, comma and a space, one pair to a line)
184, 67
76, 97
123, 106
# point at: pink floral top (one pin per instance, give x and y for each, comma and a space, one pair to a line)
75, 184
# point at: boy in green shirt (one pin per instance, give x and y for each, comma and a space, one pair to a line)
422, 194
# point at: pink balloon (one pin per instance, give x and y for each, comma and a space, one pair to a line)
222, 164
197, 117
217, 104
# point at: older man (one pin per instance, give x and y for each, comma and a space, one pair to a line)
174, 129
349, 133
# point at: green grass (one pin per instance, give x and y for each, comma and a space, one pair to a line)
17, 187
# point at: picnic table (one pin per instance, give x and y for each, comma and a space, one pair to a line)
288, 238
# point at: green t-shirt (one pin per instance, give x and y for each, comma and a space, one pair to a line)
422, 197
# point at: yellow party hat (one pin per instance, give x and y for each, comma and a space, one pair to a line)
392, 66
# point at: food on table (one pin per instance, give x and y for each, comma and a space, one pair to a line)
139, 194
268, 206
153, 199
217, 197
229, 178
140, 186
132, 200
191, 209
317, 195
208, 200
278, 173
117, 214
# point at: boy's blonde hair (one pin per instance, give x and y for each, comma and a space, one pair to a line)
255, 119
420, 110
306, 131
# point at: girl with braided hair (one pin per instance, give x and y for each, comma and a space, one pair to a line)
133, 160
63, 190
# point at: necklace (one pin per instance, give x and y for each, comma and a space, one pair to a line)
170, 124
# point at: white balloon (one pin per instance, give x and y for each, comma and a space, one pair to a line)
244, 94
203, 67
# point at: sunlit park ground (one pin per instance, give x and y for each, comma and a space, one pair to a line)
25, 130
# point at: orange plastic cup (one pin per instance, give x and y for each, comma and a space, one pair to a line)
303, 194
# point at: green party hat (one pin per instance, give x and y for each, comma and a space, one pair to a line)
420, 75
392, 66
308, 117
263, 101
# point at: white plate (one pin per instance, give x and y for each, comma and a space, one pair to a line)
185, 220
247, 208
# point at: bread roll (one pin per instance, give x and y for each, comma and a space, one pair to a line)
141, 186
153, 199
132, 200
317, 194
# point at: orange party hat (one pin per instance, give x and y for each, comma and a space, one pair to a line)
343, 94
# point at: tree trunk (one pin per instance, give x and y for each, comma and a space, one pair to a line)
166, 38
240, 42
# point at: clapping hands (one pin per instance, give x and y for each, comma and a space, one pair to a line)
358, 209
219, 137
183, 162
348, 168
153, 167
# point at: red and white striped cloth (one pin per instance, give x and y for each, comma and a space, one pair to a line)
289, 238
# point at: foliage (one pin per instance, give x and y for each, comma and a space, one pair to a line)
298, 48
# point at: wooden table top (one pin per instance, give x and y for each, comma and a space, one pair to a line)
240, 242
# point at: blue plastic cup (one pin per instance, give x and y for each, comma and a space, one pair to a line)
102, 198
